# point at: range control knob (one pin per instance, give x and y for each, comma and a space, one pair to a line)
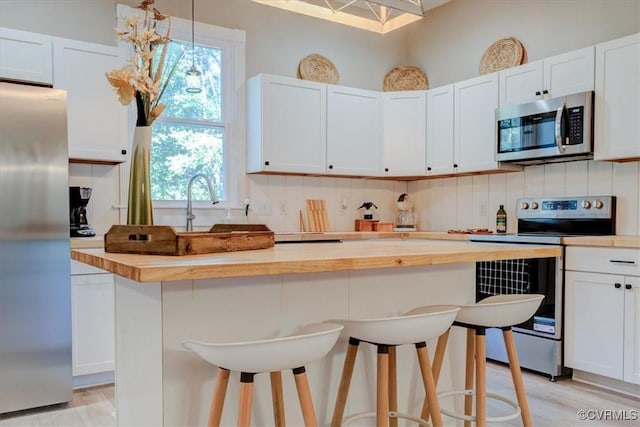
598, 204
586, 204
534, 205
524, 205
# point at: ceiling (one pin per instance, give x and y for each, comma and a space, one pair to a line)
380, 16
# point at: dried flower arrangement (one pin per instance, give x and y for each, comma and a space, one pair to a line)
142, 78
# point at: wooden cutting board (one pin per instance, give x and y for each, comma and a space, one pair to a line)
317, 215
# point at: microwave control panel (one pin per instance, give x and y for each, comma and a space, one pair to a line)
575, 125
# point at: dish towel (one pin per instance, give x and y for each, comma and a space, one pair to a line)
509, 276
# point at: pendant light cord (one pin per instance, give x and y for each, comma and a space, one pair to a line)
193, 55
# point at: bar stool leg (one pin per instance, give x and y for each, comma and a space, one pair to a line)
217, 401
437, 367
382, 406
393, 386
304, 395
429, 383
277, 396
469, 373
345, 382
481, 379
246, 394
516, 375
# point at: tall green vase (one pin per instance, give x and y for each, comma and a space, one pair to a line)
140, 211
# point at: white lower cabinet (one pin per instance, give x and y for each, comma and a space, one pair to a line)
93, 323
602, 312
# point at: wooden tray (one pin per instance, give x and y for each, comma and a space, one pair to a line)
164, 240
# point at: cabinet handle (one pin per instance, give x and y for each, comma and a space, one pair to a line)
123, 152
266, 163
330, 166
628, 286
537, 93
617, 285
621, 261
544, 92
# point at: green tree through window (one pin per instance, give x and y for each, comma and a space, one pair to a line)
189, 136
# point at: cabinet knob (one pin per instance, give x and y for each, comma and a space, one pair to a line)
545, 92
386, 169
537, 93
617, 285
330, 166
428, 168
455, 165
266, 163
628, 286
123, 152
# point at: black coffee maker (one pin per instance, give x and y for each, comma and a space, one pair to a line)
78, 200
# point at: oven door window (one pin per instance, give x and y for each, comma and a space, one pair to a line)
523, 276
527, 133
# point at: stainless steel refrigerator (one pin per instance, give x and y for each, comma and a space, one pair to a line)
35, 294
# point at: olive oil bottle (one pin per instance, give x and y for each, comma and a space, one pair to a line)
501, 220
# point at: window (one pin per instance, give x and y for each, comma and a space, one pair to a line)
204, 132
190, 136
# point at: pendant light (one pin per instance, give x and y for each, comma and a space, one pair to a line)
194, 76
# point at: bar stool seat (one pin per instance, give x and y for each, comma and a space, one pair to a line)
305, 345
414, 327
499, 311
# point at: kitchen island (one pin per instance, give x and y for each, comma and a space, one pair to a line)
162, 300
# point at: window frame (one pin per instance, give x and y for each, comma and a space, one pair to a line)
232, 43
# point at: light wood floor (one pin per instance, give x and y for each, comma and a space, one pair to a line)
552, 404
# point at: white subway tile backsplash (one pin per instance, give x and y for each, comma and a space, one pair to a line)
441, 204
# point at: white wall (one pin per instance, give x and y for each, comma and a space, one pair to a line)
450, 41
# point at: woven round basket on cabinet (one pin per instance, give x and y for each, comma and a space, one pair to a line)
504, 53
317, 68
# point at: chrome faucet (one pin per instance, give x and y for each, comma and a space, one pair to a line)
214, 198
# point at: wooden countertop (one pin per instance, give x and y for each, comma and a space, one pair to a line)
289, 258
604, 241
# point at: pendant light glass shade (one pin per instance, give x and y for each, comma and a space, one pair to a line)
194, 80
194, 76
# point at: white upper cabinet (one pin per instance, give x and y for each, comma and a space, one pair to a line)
474, 124
286, 123
97, 122
617, 100
440, 130
25, 56
354, 131
559, 75
404, 135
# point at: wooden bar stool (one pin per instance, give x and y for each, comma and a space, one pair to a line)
499, 311
310, 343
415, 327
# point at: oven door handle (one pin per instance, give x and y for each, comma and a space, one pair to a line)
559, 128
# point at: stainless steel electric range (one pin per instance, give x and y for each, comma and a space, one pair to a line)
545, 221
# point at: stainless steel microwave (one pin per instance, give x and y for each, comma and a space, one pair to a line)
549, 130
